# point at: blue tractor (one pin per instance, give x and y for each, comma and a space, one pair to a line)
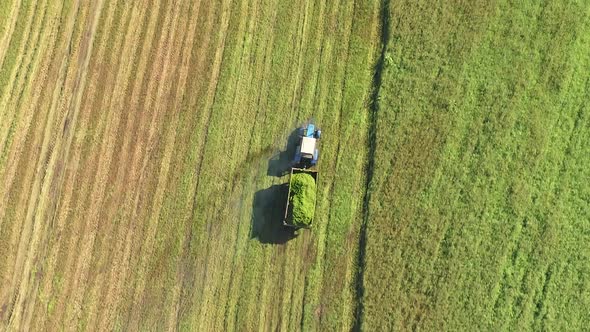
307, 152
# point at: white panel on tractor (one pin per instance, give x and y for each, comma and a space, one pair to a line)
307, 145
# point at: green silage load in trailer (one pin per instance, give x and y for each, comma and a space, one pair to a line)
303, 189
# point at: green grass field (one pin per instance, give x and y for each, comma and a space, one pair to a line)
144, 144
479, 211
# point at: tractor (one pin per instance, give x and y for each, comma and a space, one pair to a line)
307, 153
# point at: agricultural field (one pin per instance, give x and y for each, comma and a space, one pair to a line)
144, 147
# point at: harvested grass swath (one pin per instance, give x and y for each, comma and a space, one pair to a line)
303, 189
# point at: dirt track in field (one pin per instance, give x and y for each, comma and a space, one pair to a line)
135, 141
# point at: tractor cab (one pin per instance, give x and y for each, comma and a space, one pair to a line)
307, 153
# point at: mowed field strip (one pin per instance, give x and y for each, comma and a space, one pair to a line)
136, 140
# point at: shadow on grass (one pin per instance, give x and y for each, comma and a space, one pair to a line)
267, 216
281, 163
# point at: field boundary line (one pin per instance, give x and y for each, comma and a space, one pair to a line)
385, 34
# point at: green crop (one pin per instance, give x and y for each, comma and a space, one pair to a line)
303, 189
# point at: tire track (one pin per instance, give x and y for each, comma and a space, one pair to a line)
344, 53
12, 184
17, 191
74, 228
301, 28
22, 149
207, 287
302, 35
17, 238
49, 169
310, 295
137, 134
29, 139
266, 59
347, 280
94, 85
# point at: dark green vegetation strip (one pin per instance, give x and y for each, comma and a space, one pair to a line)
479, 200
371, 142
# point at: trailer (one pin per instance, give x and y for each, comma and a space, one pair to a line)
287, 221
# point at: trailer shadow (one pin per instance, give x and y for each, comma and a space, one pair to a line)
267, 216
280, 164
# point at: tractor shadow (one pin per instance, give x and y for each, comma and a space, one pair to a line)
281, 163
268, 212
